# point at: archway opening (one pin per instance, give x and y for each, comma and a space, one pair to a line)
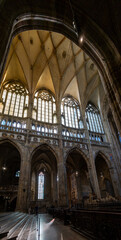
78, 183
43, 179
104, 177
9, 176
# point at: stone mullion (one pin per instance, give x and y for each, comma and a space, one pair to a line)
30, 107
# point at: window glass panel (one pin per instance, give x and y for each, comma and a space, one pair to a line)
17, 174
18, 125
15, 94
62, 120
71, 111
54, 107
14, 124
7, 103
27, 100
34, 114
21, 107
35, 102
54, 119
41, 186
3, 122
25, 113
33, 127
4, 95
94, 122
1, 107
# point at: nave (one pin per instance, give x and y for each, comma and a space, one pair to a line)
21, 226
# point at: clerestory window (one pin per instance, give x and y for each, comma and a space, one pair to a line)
93, 119
15, 100
70, 113
44, 107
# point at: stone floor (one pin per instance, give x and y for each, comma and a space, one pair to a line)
48, 229
22, 226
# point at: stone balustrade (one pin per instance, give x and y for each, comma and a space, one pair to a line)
98, 137
17, 129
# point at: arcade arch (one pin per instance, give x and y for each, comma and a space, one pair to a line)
44, 166
78, 181
104, 177
10, 163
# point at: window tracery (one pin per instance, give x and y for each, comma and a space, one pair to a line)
15, 98
70, 113
93, 118
44, 107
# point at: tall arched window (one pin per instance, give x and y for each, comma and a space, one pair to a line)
70, 113
93, 118
41, 186
15, 99
44, 107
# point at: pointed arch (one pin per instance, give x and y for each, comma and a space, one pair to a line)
93, 118
78, 150
44, 106
44, 146
44, 160
105, 157
15, 95
105, 175
13, 143
70, 112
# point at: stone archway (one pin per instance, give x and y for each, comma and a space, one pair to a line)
78, 182
10, 162
43, 161
104, 177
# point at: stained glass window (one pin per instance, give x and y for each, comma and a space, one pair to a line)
41, 186
93, 118
44, 107
70, 113
15, 98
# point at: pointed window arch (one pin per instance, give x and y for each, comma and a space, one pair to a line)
44, 107
94, 122
15, 99
70, 113
41, 186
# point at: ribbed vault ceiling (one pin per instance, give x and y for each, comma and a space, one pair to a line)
42, 59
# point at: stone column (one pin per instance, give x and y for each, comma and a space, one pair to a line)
52, 190
24, 181
62, 175
54, 187
115, 158
62, 185
79, 191
114, 180
91, 167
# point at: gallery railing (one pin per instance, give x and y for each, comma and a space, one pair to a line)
48, 131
